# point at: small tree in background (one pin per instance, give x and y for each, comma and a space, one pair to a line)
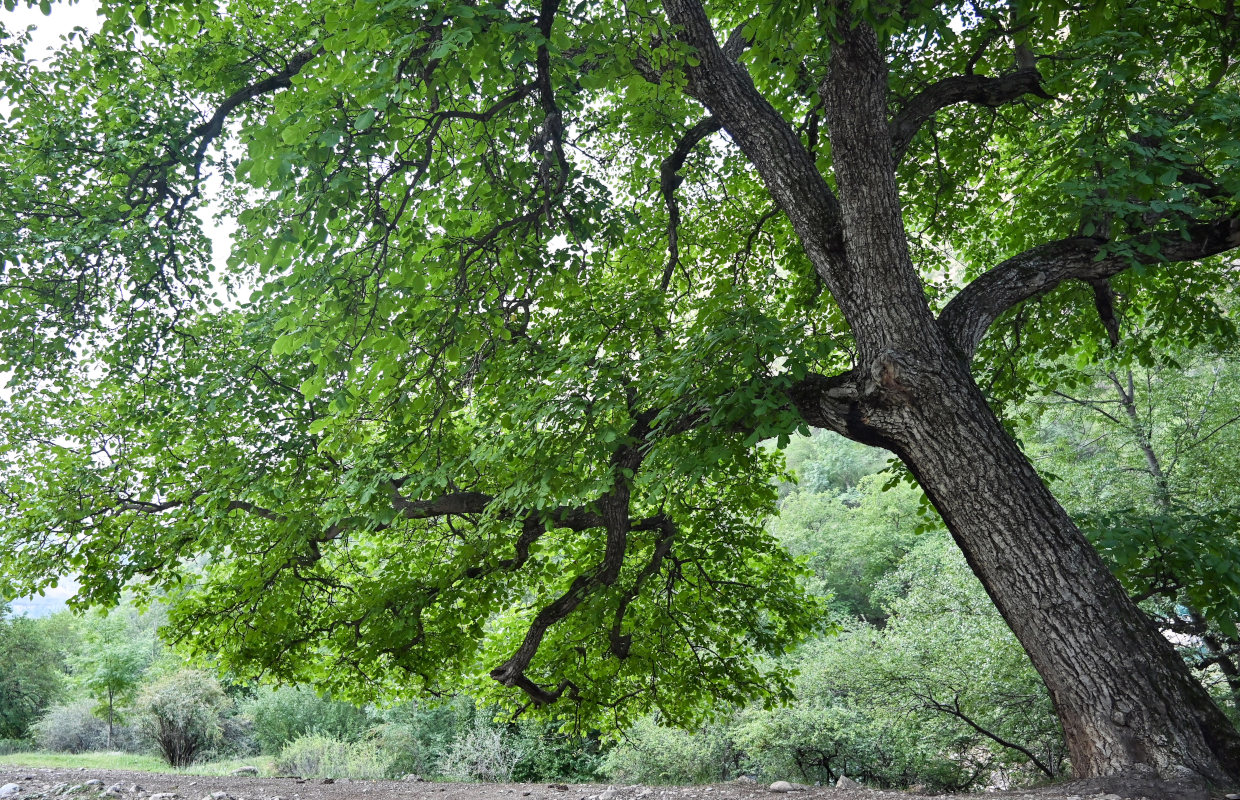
183, 713
110, 666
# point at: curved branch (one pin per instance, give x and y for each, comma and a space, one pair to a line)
621, 642
1041, 269
156, 175
975, 89
669, 180
953, 709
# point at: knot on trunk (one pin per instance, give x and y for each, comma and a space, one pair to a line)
894, 378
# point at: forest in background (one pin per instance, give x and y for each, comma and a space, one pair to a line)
916, 682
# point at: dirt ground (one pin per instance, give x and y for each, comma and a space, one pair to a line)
92, 784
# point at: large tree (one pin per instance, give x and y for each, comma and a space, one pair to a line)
520, 287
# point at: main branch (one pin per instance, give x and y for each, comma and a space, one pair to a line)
1041, 269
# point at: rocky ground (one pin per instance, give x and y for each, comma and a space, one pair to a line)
90, 784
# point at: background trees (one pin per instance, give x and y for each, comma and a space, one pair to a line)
30, 674
111, 664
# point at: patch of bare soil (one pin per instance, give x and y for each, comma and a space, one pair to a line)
92, 784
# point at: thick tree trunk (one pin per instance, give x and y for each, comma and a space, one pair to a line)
1125, 699
1122, 693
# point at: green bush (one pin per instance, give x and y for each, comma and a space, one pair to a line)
317, 756
74, 728
486, 752
653, 753
10, 746
407, 750
554, 756
282, 715
183, 715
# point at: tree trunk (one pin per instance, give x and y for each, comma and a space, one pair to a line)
1126, 701
1122, 693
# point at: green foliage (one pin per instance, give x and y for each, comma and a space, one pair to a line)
10, 746
1193, 552
416, 735
183, 714
851, 539
657, 754
281, 715
903, 704
110, 665
31, 676
827, 463
317, 756
553, 755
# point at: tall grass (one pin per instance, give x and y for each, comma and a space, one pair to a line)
128, 761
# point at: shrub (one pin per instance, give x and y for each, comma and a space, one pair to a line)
74, 728
317, 756
10, 746
652, 753
282, 715
406, 749
182, 713
554, 756
485, 753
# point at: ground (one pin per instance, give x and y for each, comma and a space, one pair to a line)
44, 784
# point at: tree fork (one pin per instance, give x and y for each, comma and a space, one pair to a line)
1125, 699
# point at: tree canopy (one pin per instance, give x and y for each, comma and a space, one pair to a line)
517, 289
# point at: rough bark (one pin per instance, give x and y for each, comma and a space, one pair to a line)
1125, 699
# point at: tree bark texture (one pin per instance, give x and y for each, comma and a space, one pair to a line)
1125, 699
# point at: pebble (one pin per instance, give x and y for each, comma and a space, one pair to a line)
9, 790
782, 786
163, 796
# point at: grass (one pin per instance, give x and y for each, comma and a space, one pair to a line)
128, 761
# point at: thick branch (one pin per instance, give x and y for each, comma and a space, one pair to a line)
155, 176
975, 89
766, 138
1041, 269
212, 128
621, 642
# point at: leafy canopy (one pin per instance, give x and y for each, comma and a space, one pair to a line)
480, 383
